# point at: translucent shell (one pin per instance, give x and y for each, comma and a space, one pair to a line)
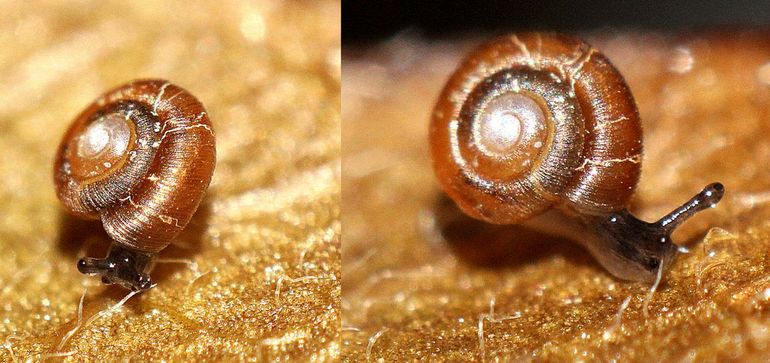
532, 121
102, 146
140, 159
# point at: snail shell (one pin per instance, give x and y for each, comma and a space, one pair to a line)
532, 121
139, 158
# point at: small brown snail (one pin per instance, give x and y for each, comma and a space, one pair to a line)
541, 124
140, 158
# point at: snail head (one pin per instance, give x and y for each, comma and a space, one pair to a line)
126, 267
640, 249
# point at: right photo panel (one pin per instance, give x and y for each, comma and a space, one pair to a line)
552, 182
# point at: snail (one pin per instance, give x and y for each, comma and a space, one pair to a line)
541, 129
140, 158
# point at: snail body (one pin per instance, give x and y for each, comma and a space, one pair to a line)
140, 159
537, 122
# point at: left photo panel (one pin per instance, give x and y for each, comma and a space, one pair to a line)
171, 181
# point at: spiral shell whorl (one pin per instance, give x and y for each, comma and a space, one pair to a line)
591, 122
148, 199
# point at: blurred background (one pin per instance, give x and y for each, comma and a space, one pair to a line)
369, 22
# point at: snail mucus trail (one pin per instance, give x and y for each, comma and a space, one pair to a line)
140, 159
541, 129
